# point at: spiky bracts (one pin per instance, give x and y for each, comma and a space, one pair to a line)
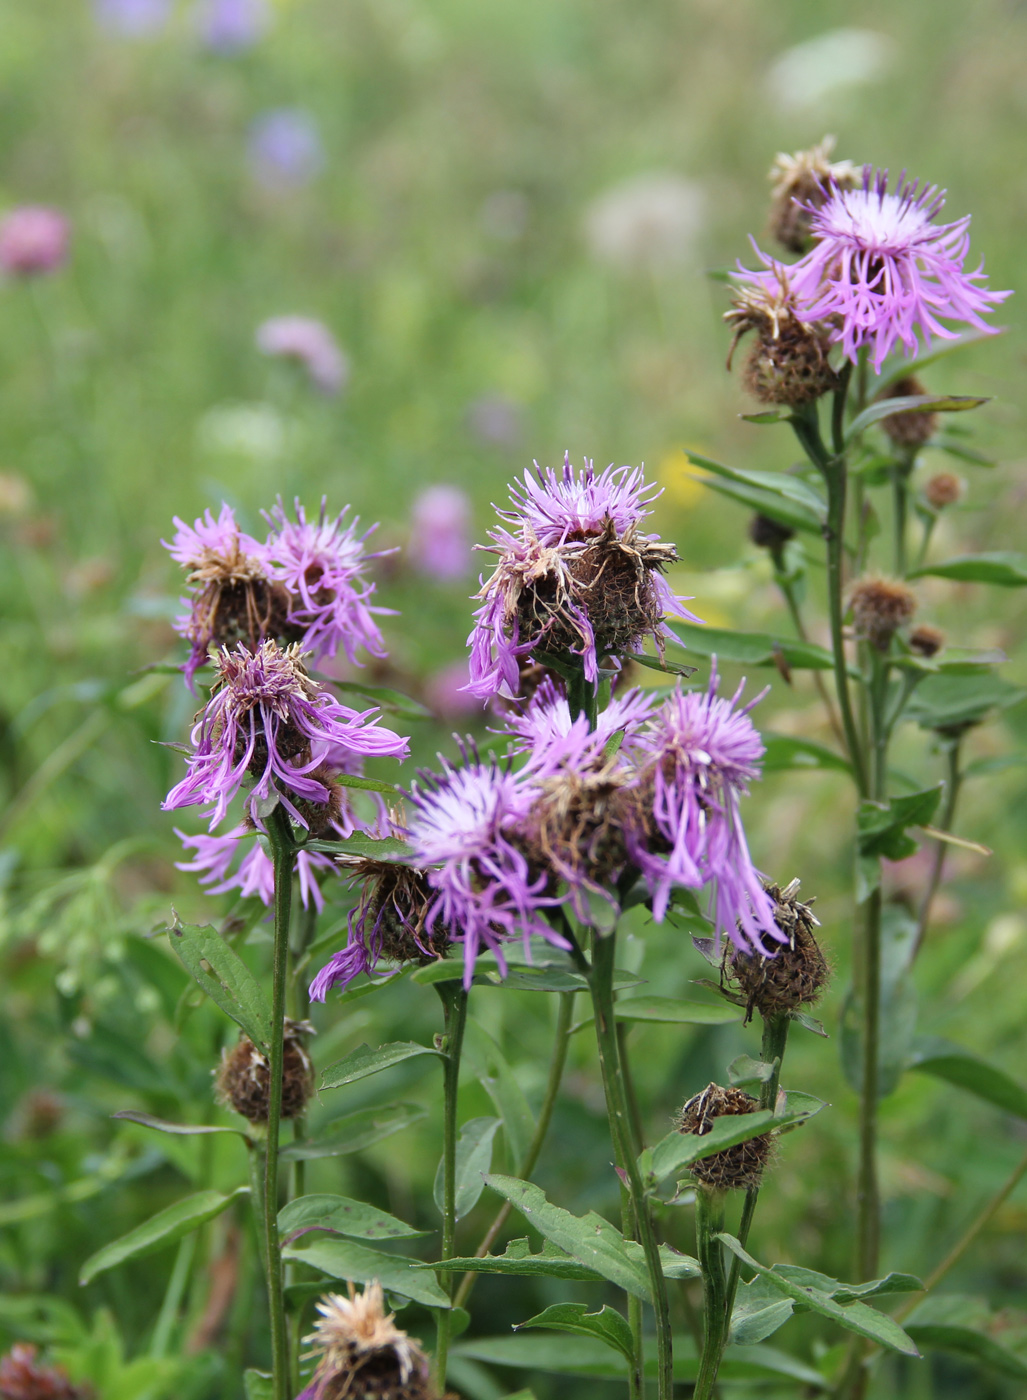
736, 1168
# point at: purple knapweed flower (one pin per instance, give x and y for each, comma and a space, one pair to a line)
576, 577
320, 562
231, 26
311, 344
33, 241
255, 875
884, 267
697, 758
463, 829
269, 720
439, 536
285, 150
545, 732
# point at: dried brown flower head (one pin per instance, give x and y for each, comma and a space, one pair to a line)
801, 179
880, 606
362, 1354
242, 1080
908, 430
393, 911
788, 363
797, 973
736, 1168
943, 489
926, 640
769, 534
22, 1377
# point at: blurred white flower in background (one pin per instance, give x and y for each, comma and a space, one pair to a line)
254, 431
651, 220
802, 76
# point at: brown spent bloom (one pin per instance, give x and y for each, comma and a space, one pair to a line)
880, 606
393, 912
908, 430
22, 1377
926, 640
736, 1168
363, 1354
243, 1079
575, 830
236, 601
804, 178
797, 973
769, 534
943, 489
788, 363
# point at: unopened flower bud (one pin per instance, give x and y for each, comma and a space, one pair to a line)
798, 186
909, 430
797, 973
736, 1168
943, 489
926, 640
769, 534
243, 1078
788, 363
362, 1354
880, 606
22, 1377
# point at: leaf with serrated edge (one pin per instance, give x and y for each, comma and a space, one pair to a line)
855, 1317
229, 983
162, 1229
342, 1216
356, 1263
363, 1061
679, 1150
610, 1326
355, 1132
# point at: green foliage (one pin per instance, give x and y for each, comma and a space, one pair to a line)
164, 1228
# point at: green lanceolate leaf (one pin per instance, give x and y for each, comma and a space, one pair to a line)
394, 701
1006, 569
744, 1072
365, 848
854, 1316
608, 1325
363, 1061
911, 403
965, 1070
882, 830
953, 700
655, 663
229, 982
351, 780
796, 502
489, 1065
786, 752
670, 1011
520, 1261
258, 1385
941, 350
759, 1311
752, 648
590, 1239
357, 1264
473, 1159
161, 1229
966, 1326
354, 1132
679, 1150
161, 1125
342, 1216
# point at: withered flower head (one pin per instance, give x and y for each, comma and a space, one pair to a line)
788, 363
943, 489
880, 606
362, 1354
243, 1079
769, 534
926, 640
22, 1377
797, 973
736, 1168
797, 186
908, 430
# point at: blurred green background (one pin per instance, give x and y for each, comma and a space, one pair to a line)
508, 221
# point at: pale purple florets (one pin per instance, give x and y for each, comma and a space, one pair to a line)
559, 506
439, 542
33, 241
321, 564
698, 756
268, 720
311, 344
882, 266
255, 875
193, 544
552, 740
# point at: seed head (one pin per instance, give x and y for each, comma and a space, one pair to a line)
880, 606
736, 1168
926, 640
799, 184
22, 1377
798, 972
788, 361
362, 1354
908, 430
243, 1078
769, 534
943, 489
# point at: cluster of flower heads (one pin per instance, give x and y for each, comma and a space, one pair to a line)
576, 577
877, 271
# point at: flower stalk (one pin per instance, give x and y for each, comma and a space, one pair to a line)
709, 1222
454, 1010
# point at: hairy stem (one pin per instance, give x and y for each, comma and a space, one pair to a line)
709, 1221
561, 1041
279, 835
868, 1202
454, 1009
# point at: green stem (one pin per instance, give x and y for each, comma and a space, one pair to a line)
795, 613
454, 1009
173, 1296
279, 835
868, 1202
955, 782
709, 1222
900, 496
601, 986
561, 1041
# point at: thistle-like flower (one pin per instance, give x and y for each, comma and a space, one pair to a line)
700, 753
321, 565
242, 1081
440, 525
363, 1354
576, 577
309, 343
545, 732
268, 719
24, 1377
254, 877
800, 183
788, 363
737, 1168
882, 265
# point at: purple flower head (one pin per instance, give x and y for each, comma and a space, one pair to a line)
321, 564
465, 823
285, 149
33, 241
439, 541
255, 875
553, 741
231, 26
575, 576
881, 264
267, 719
193, 544
310, 343
698, 757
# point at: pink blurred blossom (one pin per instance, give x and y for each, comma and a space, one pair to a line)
447, 695
311, 343
440, 542
33, 240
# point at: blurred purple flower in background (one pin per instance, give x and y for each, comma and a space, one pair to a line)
440, 544
255, 875
309, 342
231, 26
33, 240
447, 696
285, 148
495, 420
133, 19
